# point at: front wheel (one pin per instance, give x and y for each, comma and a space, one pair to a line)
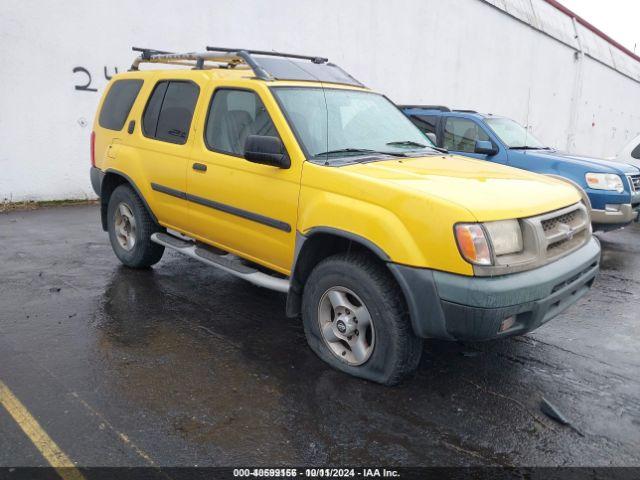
130, 228
355, 319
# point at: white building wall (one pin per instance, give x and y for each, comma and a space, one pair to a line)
510, 57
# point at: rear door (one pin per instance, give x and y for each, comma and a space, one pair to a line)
165, 141
428, 124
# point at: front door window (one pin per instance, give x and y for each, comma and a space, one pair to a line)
461, 135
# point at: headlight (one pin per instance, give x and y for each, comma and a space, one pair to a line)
605, 181
505, 236
472, 243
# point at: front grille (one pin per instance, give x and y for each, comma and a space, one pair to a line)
559, 244
634, 180
565, 230
567, 218
546, 238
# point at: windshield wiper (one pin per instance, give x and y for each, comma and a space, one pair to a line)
407, 143
358, 150
411, 143
528, 147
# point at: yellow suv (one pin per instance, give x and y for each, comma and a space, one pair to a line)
287, 172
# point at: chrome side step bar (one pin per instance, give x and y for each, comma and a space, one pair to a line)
229, 263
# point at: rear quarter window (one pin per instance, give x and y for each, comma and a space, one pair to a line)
118, 103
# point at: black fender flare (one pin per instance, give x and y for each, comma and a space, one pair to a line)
105, 201
416, 284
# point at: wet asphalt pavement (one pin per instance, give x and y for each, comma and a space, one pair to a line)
185, 365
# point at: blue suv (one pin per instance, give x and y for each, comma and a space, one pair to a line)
610, 189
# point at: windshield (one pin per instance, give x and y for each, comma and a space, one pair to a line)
334, 123
512, 134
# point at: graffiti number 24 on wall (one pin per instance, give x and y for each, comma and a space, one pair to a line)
84, 78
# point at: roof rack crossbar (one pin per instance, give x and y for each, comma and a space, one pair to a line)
269, 53
147, 52
257, 69
187, 59
229, 57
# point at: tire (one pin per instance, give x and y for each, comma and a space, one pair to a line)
395, 351
141, 252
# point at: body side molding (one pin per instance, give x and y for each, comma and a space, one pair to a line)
238, 212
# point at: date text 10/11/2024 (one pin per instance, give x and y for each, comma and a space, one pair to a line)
316, 472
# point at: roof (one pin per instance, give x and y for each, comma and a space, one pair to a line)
440, 109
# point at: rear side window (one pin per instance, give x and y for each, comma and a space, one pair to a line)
118, 103
636, 152
426, 123
169, 111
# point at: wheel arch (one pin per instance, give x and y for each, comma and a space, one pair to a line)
314, 246
113, 179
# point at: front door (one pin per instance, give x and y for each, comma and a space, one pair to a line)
243, 207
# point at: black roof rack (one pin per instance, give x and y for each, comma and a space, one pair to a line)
440, 108
465, 111
147, 52
265, 65
269, 54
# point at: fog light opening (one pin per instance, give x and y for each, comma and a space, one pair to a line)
507, 323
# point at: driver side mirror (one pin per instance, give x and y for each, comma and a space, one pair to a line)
266, 151
485, 147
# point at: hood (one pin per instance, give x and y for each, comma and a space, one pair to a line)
628, 160
590, 164
488, 190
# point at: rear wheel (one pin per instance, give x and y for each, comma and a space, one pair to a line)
130, 228
355, 319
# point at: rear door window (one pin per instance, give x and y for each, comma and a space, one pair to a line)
426, 123
151, 113
169, 111
118, 103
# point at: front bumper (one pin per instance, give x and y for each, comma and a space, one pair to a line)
457, 307
626, 214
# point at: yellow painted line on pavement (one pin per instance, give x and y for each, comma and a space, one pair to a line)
121, 435
40, 439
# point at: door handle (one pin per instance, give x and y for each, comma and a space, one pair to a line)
201, 167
